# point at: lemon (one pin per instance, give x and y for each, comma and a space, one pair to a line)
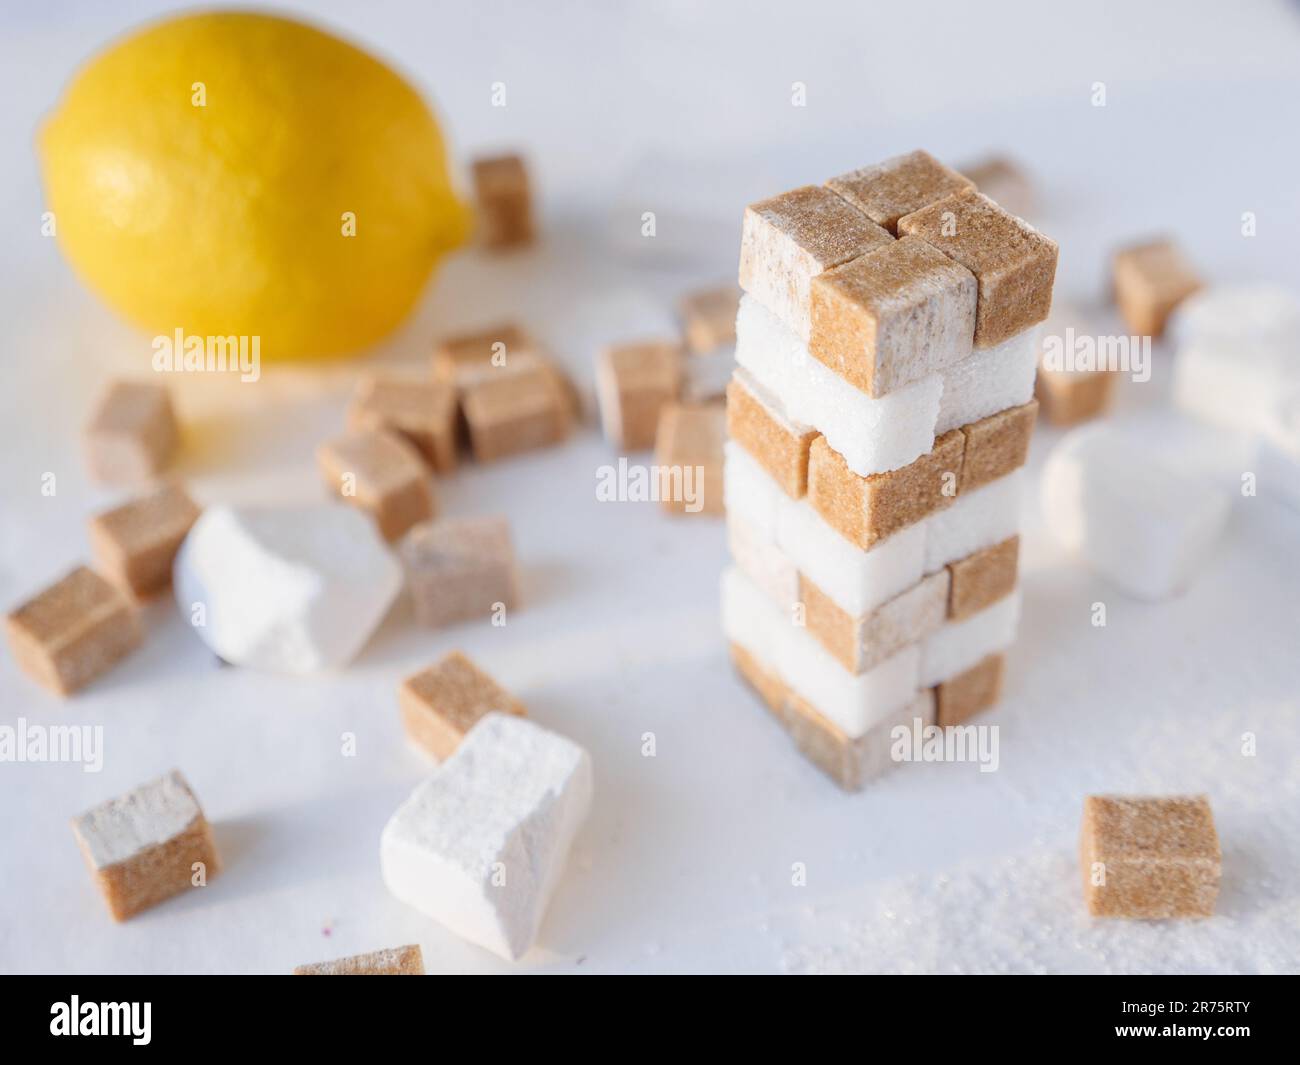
239, 174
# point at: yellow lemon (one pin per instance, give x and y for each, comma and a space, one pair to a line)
238, 174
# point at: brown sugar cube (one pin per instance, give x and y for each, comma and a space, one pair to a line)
395, 961
850, 762
757, 423
468, 358
887, 191
1149, 856
892, 316
633, 383
709, 318
505, 201
996, 445
73, 631
517, 411
1151, 279
382, 474
982, 578
147, 845
422, 412
459, 569
132, 433
1014, 264
1004, 182
789, 239
863, 642
970, 692
442, 703
136, 543
1069, 397
688, 453
865, 510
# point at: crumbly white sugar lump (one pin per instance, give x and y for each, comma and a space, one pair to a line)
1233, 382
990, 380
857, 581
290, 589
975, 520
763, 562
147, 816
853, 703
1279, 450
749, 492
481, 845
1132, 515
873, 435
1255, 313
958, 645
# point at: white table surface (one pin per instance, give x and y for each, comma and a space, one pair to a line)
686, 862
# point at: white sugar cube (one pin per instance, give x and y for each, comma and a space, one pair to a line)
749, 492
289, 589
857, 581
1279, 452
958, 645
975, 520
1132, 514
481, 845
853, 702
873, 435
988, 381
1256, 313
763, 562
1233, 382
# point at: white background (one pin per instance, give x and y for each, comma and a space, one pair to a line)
684, 109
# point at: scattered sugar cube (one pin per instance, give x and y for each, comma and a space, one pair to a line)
459, 569
892, 316
442, 703
979, 518
135, 544
1004, 182
421, 412
958, 645
789, 239
865, 510
289, 589
1132, 515
481, 845
382, 474
709, 318
1256, 313
688, 452
991, 380
523, 410
633, 384
979, 580
757, 422
873, 435
862, 642
1279, 452
852, 702
1069, 395
394, 961
887, 191
1014, 264
970, 692
505, 201
996, 445
1151, 279
132, 433
1151, 857
147, 845
73, 631
467, 358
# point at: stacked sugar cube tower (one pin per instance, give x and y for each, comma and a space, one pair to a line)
877, 425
